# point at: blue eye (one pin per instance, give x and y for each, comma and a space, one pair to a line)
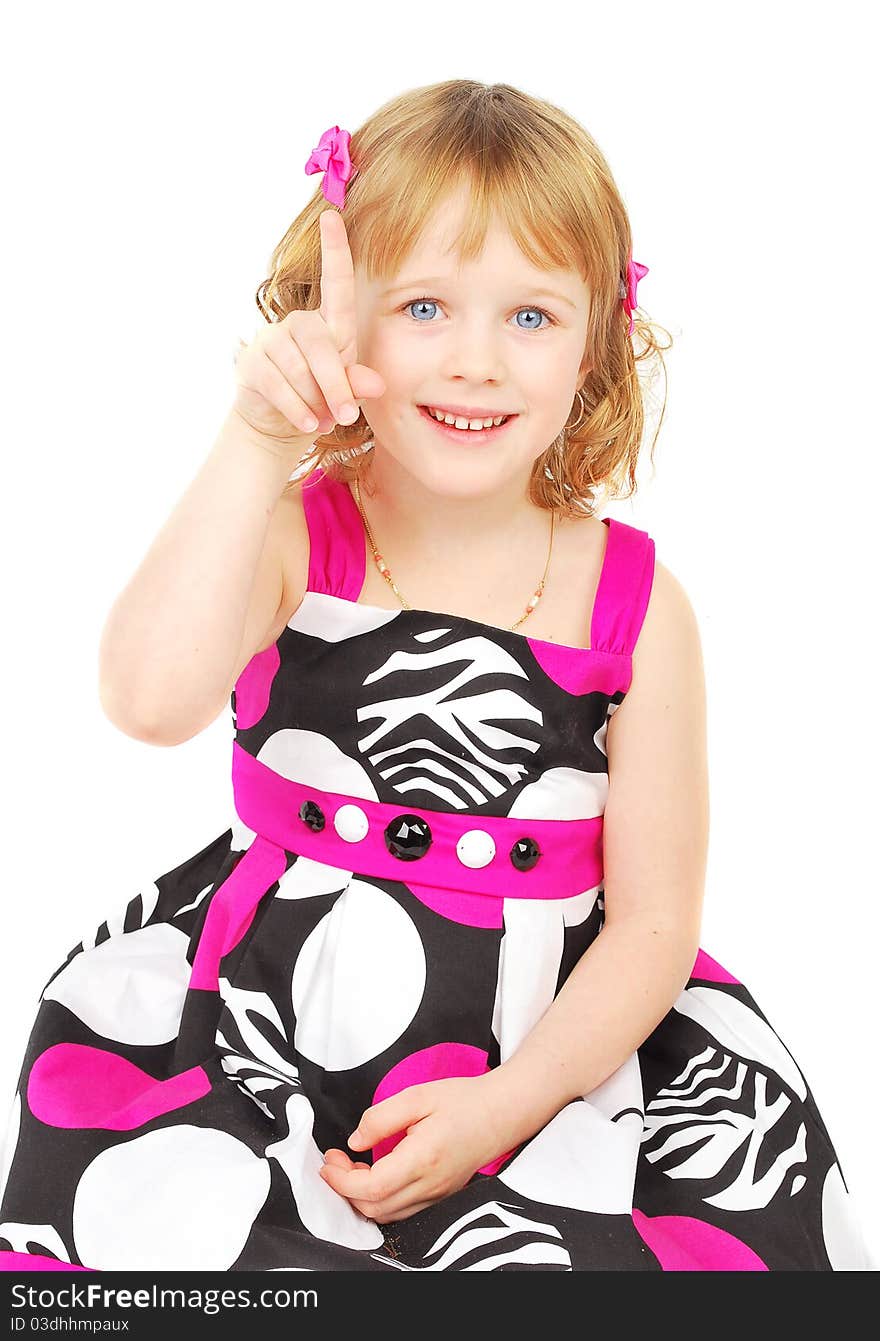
423, 301
432, 302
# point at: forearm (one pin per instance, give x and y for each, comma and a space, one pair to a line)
172, 637
618, 992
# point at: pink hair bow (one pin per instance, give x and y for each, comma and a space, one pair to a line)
331, 157
634, 272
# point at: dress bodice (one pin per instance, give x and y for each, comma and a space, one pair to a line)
407, 712
439, 710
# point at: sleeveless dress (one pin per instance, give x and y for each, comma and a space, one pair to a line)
413, 869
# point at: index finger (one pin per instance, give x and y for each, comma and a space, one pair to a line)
337, 278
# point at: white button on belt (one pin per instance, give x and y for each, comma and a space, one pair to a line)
475, 848
351, 823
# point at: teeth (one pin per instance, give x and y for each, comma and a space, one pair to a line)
474, 424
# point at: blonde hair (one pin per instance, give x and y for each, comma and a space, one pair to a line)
550, 184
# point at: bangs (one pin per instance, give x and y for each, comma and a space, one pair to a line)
389, 226
543, 181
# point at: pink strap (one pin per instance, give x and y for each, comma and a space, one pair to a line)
337, 561
624, 588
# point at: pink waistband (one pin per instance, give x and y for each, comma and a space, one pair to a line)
570, 851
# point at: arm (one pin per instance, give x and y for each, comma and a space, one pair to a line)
655, 848
170, 642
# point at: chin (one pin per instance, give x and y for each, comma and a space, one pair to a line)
449, 471
458, 480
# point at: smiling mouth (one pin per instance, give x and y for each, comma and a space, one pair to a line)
460, 426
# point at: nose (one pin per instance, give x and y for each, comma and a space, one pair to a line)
473, 354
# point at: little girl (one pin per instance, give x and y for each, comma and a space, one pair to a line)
374, 1024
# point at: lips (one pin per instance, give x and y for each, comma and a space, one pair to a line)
468, 436
462, 412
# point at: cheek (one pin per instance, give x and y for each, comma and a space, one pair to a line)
389, 360
406, 370
374, 343
548, 379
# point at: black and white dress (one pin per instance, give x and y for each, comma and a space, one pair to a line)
413, 869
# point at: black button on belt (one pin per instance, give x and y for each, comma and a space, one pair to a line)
524, 853
312, 815
407, 837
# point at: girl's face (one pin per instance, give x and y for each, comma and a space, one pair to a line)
496, 334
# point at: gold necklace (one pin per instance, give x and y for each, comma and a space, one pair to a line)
386, 571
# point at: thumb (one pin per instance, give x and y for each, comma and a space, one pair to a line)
340, 1160
365, 382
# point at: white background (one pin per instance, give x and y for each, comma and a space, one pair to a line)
153, 158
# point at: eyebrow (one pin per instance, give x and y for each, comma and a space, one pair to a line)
438, 279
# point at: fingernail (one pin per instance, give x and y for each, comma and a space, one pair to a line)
348, 413
355, 1136
310, 422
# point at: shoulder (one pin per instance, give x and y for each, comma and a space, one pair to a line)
670, 632
669, 612
667, 660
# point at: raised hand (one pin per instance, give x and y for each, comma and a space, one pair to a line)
297, 375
